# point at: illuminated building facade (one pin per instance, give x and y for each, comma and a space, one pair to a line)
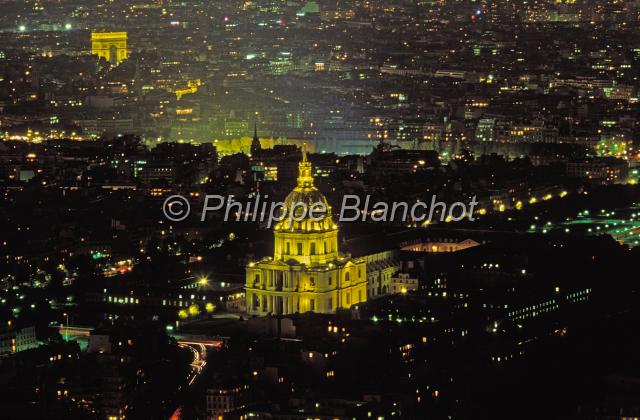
15, 340
110, 45
307, 272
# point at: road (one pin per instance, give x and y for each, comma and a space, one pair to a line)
199, 361
198, 347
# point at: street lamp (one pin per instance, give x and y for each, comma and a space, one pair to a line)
66, 331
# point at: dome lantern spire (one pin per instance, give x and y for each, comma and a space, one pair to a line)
305, 179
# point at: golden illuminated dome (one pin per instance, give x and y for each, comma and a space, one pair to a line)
306, 208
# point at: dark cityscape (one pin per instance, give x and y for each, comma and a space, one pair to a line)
320, 209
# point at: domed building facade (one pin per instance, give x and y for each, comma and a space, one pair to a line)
307, 271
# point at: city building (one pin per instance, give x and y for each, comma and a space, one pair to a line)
606, 170
307, 271
14, 339
221, 401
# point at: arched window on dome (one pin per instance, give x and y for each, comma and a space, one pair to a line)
312, 248
326, 251
288, 247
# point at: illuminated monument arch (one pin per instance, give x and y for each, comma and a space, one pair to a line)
306, 273
110, 45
